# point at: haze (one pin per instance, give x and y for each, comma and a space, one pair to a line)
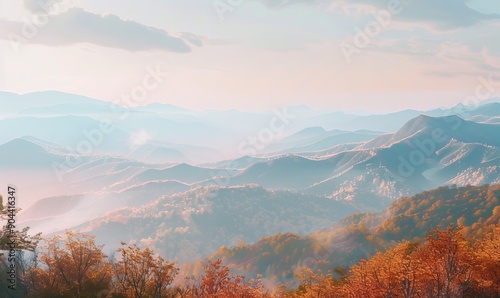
255, 54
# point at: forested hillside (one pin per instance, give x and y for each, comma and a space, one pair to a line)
441, 243
476, 209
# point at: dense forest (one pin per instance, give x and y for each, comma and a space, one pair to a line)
441, 243
474, 208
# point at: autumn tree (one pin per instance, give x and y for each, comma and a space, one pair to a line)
218, 281
139, 273
73, 266
408, 273
23, 240
17, 249
375, 277
217, 278
488, 258
447, 264
444, 266
316, 284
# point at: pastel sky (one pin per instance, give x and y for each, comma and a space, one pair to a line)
254, 54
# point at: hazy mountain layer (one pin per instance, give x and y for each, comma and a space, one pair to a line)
190, 225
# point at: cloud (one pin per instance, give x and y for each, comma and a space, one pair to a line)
441, 14
75, 25
48, 6
194, 39
282, 3
446, 58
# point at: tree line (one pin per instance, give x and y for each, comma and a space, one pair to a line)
445, 265
451, 262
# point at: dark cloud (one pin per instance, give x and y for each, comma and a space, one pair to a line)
283, 3
76, 25
48, 6
440, 14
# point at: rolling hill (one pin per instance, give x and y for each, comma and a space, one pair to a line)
476, 208
193, 224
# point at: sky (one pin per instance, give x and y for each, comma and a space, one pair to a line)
369, 55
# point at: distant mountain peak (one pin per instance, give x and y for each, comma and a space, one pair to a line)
21, 153
182, 166
299, 106
163, 107
21, 142
425, 122
311, 130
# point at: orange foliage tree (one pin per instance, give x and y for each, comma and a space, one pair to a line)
139, 273
445, 265
71, 267
218, 281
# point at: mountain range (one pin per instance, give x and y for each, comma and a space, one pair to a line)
185, 183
